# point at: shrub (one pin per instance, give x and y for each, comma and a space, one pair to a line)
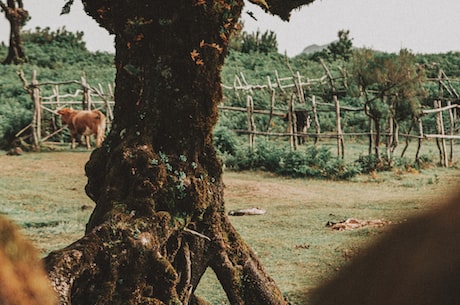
12, 119
309, 162
256, 42
225, 140
368, 163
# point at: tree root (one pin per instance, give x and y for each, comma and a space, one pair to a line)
149, 261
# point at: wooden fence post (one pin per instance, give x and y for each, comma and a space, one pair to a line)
420, 139
315, 118
86, 102
272, 103
57, 124
37, 116
300, 92
443, 160
251, 123
390, 132
292, 123
451, 131
340, 141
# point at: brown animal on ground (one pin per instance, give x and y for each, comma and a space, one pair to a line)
416, 263
302, 123
15, 151
84, 123
23, 280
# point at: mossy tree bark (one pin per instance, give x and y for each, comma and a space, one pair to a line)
159, 220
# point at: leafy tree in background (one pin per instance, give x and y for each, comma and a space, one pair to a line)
159, 220
55, 48
341, 49
391, 86
17, 17
338, 50
61, 37
256, 42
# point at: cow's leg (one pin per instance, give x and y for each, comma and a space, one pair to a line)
73, 142
98, 139
75, 137
304, 130
88, 144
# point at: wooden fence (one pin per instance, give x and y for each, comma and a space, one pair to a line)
45, 123
286, 95
295, 92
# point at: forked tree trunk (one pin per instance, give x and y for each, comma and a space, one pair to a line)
17, 17
159, 220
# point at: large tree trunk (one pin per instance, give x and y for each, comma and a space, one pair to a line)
159, 220
17, 17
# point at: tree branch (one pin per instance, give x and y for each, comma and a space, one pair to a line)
3, 6
66, 7
282, 8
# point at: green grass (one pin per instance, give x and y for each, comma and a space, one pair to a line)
44, 194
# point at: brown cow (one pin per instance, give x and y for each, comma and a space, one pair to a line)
417, 263
84, 123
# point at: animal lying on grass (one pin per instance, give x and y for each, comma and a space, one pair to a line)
84, 123
416, 263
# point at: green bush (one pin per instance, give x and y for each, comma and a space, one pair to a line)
368, 163
256, 42
12, 120
308, 162
225, 140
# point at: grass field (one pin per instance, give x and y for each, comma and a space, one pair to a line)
44, 194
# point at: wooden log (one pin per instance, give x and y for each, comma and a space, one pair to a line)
249, 211
440, 109
438, 136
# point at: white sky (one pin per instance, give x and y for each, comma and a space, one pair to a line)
423, 26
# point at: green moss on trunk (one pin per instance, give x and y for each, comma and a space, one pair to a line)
160, 220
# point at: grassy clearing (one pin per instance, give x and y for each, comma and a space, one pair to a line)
44, 194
